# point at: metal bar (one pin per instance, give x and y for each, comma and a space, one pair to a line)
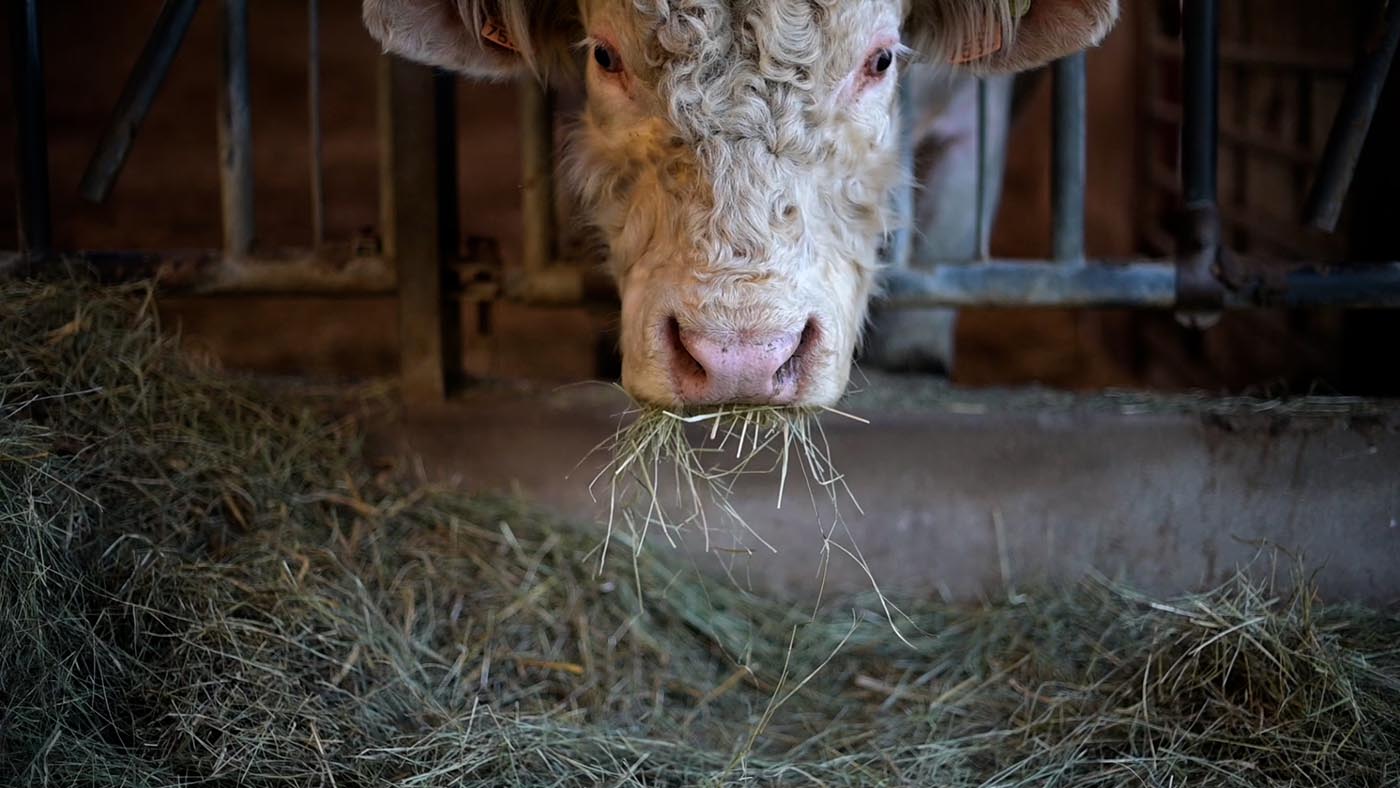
32, 136
984, 175
1070, 161
1140, 284
313, 111
1241, 22
901, 243
1143, 283
236, 133
1200, 109
140, 91
1199, 251
1353, 124
409, 195
1353, 286
537, 191
1028, 284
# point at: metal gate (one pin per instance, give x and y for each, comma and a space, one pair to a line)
418, 255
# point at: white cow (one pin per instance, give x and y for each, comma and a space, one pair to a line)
738, 157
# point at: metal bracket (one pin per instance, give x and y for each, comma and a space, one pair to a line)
1198, 264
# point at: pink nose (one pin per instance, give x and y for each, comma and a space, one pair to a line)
712, 369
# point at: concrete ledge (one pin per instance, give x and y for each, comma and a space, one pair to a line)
966, 492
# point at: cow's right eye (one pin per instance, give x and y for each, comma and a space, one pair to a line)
607, 58
879, 62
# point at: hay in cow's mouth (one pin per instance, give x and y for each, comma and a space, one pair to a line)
674, 470
201, 584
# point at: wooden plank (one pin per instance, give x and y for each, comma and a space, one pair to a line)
537, 194
410, 215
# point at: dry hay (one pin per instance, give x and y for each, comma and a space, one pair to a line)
673, 471
658, 473
200, 584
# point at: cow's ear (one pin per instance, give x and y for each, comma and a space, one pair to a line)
1005, 36
492, 39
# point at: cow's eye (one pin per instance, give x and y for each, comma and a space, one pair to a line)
607, 58
879, 63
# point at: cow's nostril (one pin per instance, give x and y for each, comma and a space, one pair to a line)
683, 364
790, 373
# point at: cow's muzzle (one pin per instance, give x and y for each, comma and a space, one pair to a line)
758, 367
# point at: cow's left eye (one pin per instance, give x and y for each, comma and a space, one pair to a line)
607, 58
879, 62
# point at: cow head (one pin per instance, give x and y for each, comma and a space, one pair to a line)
738, 158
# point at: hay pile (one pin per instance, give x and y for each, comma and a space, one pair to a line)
202, 585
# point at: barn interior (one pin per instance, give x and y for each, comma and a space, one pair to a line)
319, 221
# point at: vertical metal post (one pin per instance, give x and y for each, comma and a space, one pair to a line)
32, 137
537, 191
410, 211
236, 133
1240, 19
1353, 124
984, 166
1069, 168
313, 101
1199, 251
901, 243
1200, 128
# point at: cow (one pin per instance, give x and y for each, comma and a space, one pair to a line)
738, 158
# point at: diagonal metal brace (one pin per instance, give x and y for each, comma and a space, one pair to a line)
137, 96
1353, 124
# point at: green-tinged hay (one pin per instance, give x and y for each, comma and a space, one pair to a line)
203, 584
